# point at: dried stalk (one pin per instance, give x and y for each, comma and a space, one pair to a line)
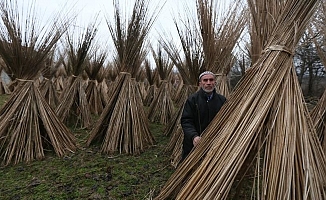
29, 126
161, 109
94, 98
122, 126
210, 170
73, 98
151, 94
28, 123
74, 107
49, 92
318, 113
174, 130
220, 37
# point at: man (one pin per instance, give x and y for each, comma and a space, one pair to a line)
199, 110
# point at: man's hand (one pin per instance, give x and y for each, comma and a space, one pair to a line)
196, 140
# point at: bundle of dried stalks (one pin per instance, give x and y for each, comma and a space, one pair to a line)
123, 122
74, 107
59, 78
177, 85
129, 38
318, 116
93, 95
85, 76
175, 146
171, 127
122, 126
144, 83
262, 21
161, 109
111, 73
142, 89
174, 130
151, 94
263, 15
222, 84
28, 123
141, 74
150, 77
49, 69
47, 86
49, 92
162, 62
183, 93
29, 127
220, 36
318, 113
189, 62
102, 86
140, 79
266, 110
188, 69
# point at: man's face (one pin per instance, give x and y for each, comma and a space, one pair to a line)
207, 82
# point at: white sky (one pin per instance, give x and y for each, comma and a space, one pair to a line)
88, 9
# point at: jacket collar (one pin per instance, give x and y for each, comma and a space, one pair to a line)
204, 95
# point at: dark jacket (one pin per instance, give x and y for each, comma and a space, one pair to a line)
198, 112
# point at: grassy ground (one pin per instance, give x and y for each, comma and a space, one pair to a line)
88, 174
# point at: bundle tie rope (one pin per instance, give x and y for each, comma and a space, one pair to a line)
279, 48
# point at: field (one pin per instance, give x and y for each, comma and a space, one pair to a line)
89, 174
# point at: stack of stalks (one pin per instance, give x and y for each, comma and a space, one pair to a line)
265, 116
123, 126
28, 124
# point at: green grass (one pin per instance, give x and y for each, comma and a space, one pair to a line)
89, 174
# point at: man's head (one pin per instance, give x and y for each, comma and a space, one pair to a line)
207, 81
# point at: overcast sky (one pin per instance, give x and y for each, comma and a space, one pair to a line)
87, 10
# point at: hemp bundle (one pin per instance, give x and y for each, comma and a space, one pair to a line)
264, 114
28, 124
123, 126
